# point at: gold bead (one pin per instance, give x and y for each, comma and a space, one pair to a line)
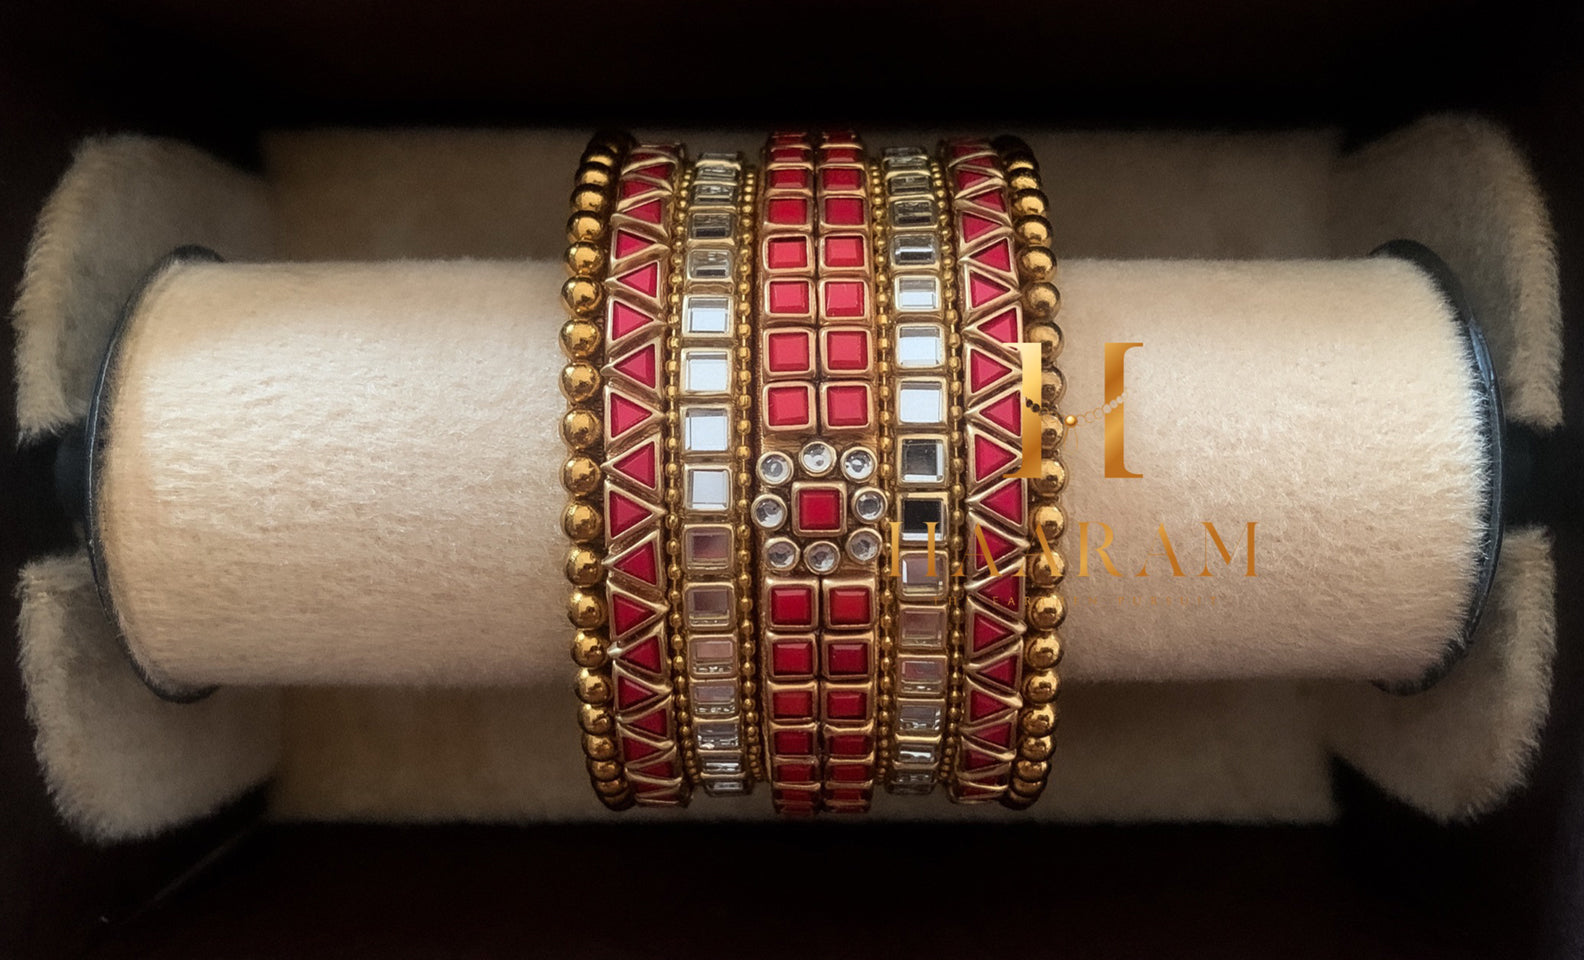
599, 748
583, 567
596, 719
1036, 748
604, 771
581, 522
1042, 651
603, 153
1047, 612
1032, 771
1023, 178
1052, 386
1052, 479
579, 339
580, 476
588, 649
614, 793
595, 175
1024, 793
1050, 520
592, 199
1036, 263
1033, 231
1041, 686
1029, 203
1042, 299
586, 608
585, 227
1020, 158
1049, 337
582, 295
580, 429
1042, 572
585, 259
1038, 720
593, 687
580, 381
1053, 430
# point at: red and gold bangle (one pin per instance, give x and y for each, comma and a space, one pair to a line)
925, 404
582, 427
638, 590
986, 741
819, 503
1042, 646
712, 608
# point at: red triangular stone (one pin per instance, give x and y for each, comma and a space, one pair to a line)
1005, 327
645, 279
628, 614
982, 289
642, 563
651, 212
974, 791
625, 320
655, 171
648, 786
642, 466
999, 734
624, 415
622, 513
634, 749
630, 693
1006, 412
986, 631
990, 459
967, 179
642, 365
1000, 547
1005, 592
997, 255
665, 770
633, 188
645, 653
984, 370
1003, 671
974, 227
978, 759
962, 148
656, 722
982, 705
1007, 502
626, 243
991, 199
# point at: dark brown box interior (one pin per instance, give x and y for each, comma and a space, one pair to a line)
1381, 883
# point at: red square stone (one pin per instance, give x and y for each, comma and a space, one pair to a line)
847, 659
850, 772
844, 250
849, 745
841, 178
795, 773
846, 704
789, 406
786, 253
817, 509
792, 659
793, 742
789, 353
795, 801
792, 705
791, 298
847, 795
789, 154
847, 406
849, 606
845, 211
792, 605
842, 155
845, 299
787, 211
793, 178
847, 350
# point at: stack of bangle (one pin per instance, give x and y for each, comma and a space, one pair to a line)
808, 543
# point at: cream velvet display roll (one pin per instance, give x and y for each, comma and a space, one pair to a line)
347, 473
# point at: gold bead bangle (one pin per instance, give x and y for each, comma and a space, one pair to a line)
582, 427
1042, 647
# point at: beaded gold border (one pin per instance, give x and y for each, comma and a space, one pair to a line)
582, 428
1042, 646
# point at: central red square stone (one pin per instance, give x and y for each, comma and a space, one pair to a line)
792, 705
818, 510
789, 297
845, 211
845, 250
787, 211
847, 658
846, 704
792, 658
792, 605
788, 352
847, 350
845, 299
847, 405
789, 405
850, 607
787, 253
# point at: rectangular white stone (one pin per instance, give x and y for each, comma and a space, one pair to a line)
921, 675
709, 606
706, 429
706, 371
920, 346
921, 402
923, 460
707, 489
706, 315
709, 264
